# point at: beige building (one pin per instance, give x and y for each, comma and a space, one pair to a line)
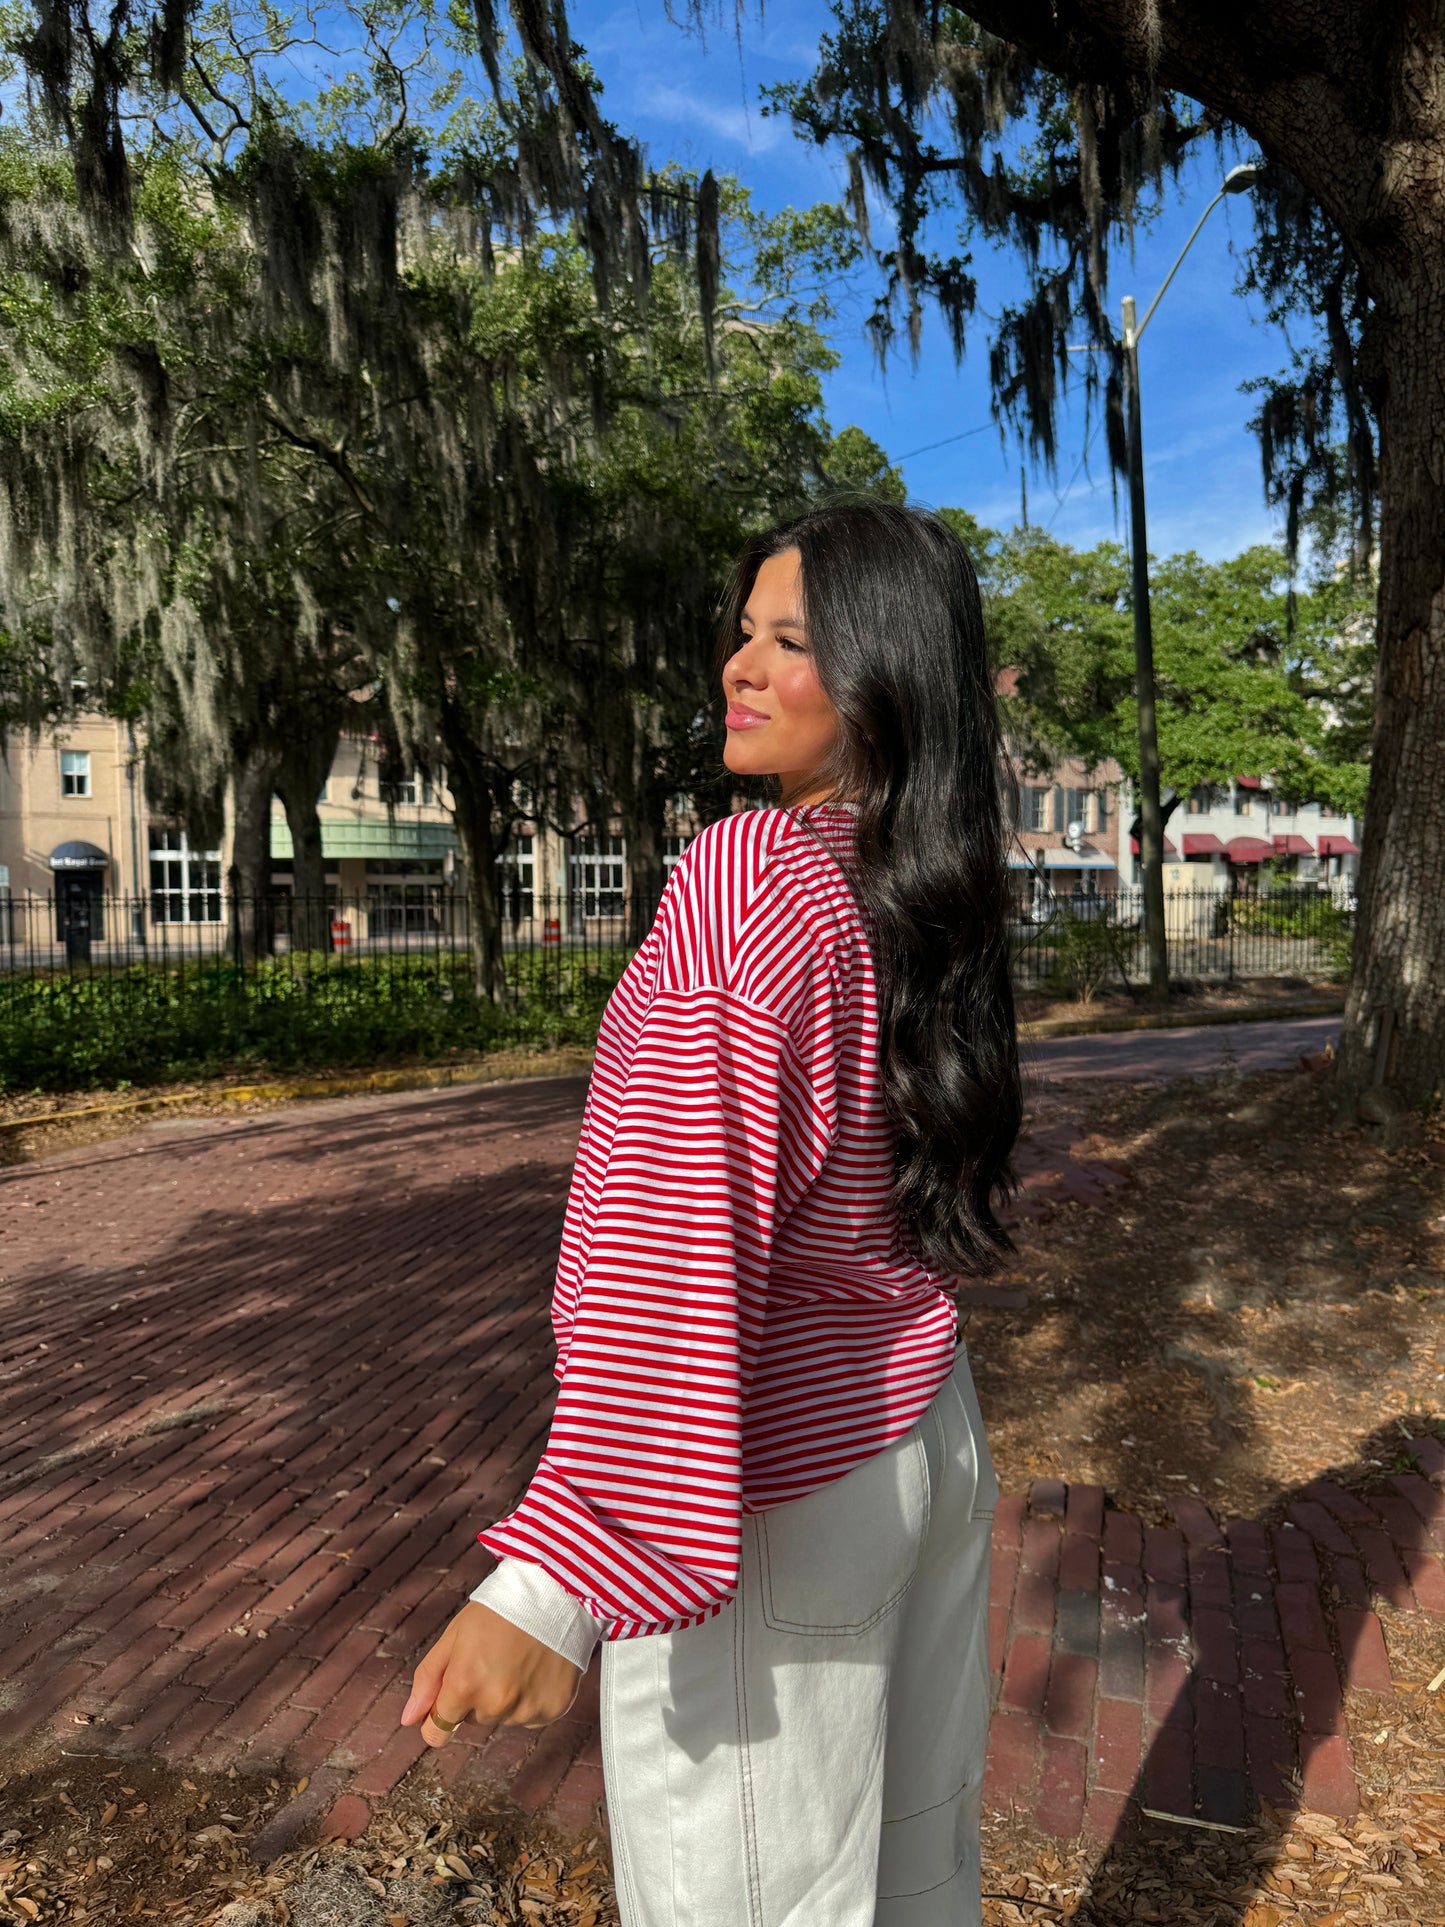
81, 852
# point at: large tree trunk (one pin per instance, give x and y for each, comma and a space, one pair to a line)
643, 818
476, 821
1394, 1031
249, 879
305, 765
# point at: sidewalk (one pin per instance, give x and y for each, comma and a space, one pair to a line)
264, 1380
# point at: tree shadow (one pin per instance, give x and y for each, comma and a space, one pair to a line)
297, 1411
1230, 1648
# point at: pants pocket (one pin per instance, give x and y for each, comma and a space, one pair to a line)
842, 1558
985, 1495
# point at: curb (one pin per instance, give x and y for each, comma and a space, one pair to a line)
441, 1076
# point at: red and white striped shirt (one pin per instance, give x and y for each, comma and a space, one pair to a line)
738, 1319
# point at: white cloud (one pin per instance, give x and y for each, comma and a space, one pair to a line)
743, 125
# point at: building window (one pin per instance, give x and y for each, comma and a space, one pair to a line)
185, 883
598, 866
414, 788
399, 908
75, 772
1034, 813
516, 876
672, 849
1086, 807
1243, 803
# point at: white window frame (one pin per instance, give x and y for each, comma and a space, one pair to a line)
1036, 801
516, 883
597, 874
191, 893
75, 780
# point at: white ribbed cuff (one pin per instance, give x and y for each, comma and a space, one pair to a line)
531, 1598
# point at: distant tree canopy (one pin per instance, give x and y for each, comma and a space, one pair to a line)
1247, 684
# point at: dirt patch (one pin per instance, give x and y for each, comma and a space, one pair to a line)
1274, 994
89, 1840
1261, 1297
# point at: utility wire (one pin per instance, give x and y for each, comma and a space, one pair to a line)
947, 442
1078, 466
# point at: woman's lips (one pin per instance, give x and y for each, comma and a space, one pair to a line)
740, 718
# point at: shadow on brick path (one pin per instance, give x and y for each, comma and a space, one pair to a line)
1198, 1669
262, 1388
264, 1382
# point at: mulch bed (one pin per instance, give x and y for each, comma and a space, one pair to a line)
1260, 1304
1185, 1000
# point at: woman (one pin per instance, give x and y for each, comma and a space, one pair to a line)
766, 1486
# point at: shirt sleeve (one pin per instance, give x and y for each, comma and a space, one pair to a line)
534, 1601
725, 1119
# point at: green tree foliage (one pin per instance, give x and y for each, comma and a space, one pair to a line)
435, 471
1240, 692
1057, 131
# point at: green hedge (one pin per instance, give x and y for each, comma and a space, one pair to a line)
144, 1025
1309, 919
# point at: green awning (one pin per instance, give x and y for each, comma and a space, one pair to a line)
400, 842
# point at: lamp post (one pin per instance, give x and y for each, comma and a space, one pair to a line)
1151, 826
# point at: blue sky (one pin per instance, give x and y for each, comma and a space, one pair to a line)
697, 101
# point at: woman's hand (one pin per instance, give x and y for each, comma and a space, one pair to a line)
485, 1668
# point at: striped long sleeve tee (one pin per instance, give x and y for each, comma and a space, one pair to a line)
738, 1319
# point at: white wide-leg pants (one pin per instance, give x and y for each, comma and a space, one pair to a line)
814, 1756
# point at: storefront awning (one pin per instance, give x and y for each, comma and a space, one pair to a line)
1338, 846
1248, 849
1292, 845
1169, 849
78, 856
370, 838
1203, 844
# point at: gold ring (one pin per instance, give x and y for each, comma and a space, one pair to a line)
446, 1726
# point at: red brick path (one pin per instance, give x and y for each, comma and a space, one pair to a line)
263, 1382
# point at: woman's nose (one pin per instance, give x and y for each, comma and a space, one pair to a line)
745, 668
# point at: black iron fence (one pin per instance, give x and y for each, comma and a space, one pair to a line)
98, 989
1079, 943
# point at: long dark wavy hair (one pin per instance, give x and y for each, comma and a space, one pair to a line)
895, 627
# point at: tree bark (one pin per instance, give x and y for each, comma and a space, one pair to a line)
249, 879
476, 821
1399, 950
304, 766
643, 818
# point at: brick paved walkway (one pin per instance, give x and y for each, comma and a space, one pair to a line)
262, 1383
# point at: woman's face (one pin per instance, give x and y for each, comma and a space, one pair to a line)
779, 721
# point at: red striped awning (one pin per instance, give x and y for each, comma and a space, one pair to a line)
1250, 782
1293, 845
1338, 846
1169, 849
1248, 849
1204, 843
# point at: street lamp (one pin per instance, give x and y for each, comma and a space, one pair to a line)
1151, 828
